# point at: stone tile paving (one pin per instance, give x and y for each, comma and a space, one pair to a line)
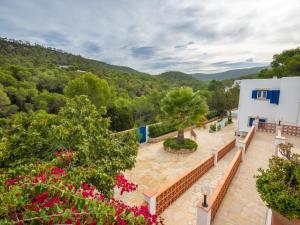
242, 204
183, 210
155, 167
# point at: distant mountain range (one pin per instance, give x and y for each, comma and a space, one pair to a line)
10, 48
230, 74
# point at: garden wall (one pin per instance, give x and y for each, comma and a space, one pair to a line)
168, 194
224, 150
174, 133
249, 137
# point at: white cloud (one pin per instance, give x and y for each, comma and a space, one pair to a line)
155, 36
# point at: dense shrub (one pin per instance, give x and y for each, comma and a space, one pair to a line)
279, 185
212, 114
157, 130
213, 127
187, 144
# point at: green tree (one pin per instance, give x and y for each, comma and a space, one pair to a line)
184, 108
121, 115
5, 105
232, 99
79, 126
51, 102
97, 90
217, 101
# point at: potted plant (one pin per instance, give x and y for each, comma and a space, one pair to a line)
279, 186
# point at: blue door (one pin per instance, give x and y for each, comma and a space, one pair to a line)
251, 120
143, 134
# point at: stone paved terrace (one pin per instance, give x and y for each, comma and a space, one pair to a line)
155, 168
183, 210
242, 204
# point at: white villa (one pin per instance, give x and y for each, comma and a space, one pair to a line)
271, 100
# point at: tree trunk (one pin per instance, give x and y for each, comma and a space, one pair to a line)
180, 137
230, 116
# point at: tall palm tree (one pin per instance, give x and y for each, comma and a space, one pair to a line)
183, 107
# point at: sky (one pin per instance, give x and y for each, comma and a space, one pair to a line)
154, 36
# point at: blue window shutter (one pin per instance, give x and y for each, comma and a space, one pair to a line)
262, 120
275, 97
254, 94
251, 119
269, 94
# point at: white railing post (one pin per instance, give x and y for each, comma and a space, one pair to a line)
214, 152
242, 145
147, 133
256, 122
278, 140
150, 198
203, 215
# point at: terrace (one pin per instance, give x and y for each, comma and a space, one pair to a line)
239, 203
155, 167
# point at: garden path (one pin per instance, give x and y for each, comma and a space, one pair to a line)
183, 210
242, 204
155, 168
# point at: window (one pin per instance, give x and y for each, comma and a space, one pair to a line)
272, 95
261, 94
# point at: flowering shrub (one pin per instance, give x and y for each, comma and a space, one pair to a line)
101, 155
49, 193
124, 185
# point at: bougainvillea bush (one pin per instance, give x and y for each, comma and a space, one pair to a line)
57, 192
80, 126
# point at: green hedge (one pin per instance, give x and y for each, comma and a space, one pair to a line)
160, 129
212, 114
188, 144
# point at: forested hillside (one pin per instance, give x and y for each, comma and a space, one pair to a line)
33, 77
230, 74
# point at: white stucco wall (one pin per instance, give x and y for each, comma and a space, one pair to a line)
287, 110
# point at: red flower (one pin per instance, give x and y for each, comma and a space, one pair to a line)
69, 221
41, 177
11, 182
85, 194
40, 198
57, 171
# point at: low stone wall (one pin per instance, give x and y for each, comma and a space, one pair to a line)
174, 133
162, 138
181, 151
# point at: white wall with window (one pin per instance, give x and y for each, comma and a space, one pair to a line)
269, 99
